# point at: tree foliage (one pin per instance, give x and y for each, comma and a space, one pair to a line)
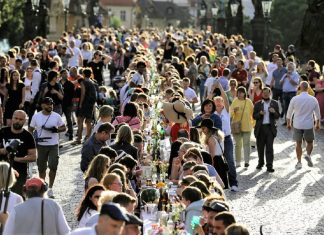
12, 20
286, 21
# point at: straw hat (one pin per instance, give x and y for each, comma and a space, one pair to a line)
177, 112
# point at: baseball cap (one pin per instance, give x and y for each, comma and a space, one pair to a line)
133, 219
34, 182
47, 100
114, 211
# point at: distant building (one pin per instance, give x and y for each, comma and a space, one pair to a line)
122, 9
163, 13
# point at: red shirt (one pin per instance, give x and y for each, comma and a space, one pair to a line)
240, 75
175, 129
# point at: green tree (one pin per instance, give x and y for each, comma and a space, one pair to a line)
115, 22
12, 20
286, 21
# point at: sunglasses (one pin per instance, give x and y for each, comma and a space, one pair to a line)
233, 84
255, 82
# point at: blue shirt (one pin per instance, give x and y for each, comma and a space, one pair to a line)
216, 119
224, 82
277, 75
211, 170
287, 86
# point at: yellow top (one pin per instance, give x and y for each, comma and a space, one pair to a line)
247, 118
309, 91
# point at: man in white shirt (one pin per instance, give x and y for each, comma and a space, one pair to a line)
188, 92
76, 60
210, 82
303, 108
47, 125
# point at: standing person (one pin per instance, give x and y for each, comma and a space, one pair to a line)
255, 91
304, 109
168, 48
97, 64
35, 85
203, 71
28, 82
214, 142
86, 105
192, 73
67, 102
222, 110
275, 82
15, 97
76, 59
47, 216
240, 74
53, 89
47, 124
138, 78
265, 113
26, 151
242, 111
289, 83
320, 95
13, 198
232, 92
188, 92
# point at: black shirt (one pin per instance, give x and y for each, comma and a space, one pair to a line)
58, 87
97, 70
69, 93
28, 142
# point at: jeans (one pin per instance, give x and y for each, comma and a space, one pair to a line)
287, 96
228, 154
202, 89
67, 110
242, 140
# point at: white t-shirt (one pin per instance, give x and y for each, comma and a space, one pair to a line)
85, 231
85, 217
14, 199
209, 83
28, 93
87, 55
74, 60
271, 67
53, 120
189, 94
138, 79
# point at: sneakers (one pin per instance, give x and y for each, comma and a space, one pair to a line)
309, 161
238, 164
50, 193
234, 188
298, 165
246, 165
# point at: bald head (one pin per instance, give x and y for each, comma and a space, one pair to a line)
18, 121
304, 86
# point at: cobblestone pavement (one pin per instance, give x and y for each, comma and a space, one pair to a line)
288, 201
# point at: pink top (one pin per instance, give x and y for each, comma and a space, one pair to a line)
133, 122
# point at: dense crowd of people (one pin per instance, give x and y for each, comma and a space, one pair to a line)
157, 79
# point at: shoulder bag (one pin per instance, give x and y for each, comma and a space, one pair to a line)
236, 126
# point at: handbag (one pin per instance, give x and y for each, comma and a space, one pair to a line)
236, 126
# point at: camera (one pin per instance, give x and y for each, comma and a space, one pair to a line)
13, 145
51, 129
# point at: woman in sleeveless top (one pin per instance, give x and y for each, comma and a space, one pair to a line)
214, 142
255, 91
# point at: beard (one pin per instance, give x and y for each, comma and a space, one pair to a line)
17, 126
266, 99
